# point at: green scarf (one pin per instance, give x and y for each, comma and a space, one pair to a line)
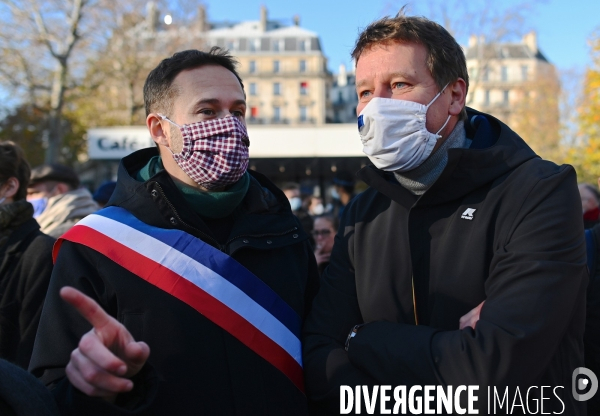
205, 204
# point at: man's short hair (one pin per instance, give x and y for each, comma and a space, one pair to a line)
158, 89
14, 165
445, 58
53, 174
344, 180
291, 186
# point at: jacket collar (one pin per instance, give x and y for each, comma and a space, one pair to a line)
264, 210
496, 150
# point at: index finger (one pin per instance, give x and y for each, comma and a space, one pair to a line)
86, 306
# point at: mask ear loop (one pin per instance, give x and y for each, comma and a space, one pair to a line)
448, 119
163, 117
438, 133
436, 97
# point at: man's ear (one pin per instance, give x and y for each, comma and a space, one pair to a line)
458, 91
61, 188
155, 127
9, 188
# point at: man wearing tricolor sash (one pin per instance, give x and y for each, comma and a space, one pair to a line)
195, 279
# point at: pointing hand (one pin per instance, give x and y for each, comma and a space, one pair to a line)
106, 355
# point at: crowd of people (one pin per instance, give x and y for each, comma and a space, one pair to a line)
320, 220
201, 287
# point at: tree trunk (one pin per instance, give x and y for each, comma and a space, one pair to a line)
55, 114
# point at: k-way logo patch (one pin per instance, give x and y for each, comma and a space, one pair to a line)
468, 214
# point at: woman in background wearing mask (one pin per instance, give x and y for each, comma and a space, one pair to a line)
25, 260
324, 230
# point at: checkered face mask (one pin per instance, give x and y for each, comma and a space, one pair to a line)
215, 152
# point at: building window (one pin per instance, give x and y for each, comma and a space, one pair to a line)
277, 113
505, 96
524, 72
275, 66
504, 73
254, 112
230, 44
302, 65
277, 88
254, 45
304, 88
252, 67
277, 45
303, 113
486, 97
252, 88
301, 45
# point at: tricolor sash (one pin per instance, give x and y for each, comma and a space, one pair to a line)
201, 276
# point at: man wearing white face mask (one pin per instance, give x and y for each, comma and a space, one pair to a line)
197, 275
464, 262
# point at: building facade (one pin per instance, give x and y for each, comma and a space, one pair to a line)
504, 76
517, 84
283, 68
343, 96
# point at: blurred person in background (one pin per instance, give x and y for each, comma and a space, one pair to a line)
342, 192
591, 336
25, 260
292, 192
315, 206
59, 201
324, 230
590, 203
104, 192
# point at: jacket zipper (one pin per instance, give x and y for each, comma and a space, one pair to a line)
412, 281
262, 235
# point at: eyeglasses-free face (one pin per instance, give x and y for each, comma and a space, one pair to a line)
324, 232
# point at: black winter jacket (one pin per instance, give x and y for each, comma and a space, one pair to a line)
499, 225
21, 394
25, 269
199, 368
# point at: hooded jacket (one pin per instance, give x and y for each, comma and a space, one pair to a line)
499, 225
199, 368
25, 269
64, 210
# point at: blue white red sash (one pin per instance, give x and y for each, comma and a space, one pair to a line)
203, 277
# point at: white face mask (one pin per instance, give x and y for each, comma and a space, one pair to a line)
335, 194
394, 135
318, 209
295, 203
